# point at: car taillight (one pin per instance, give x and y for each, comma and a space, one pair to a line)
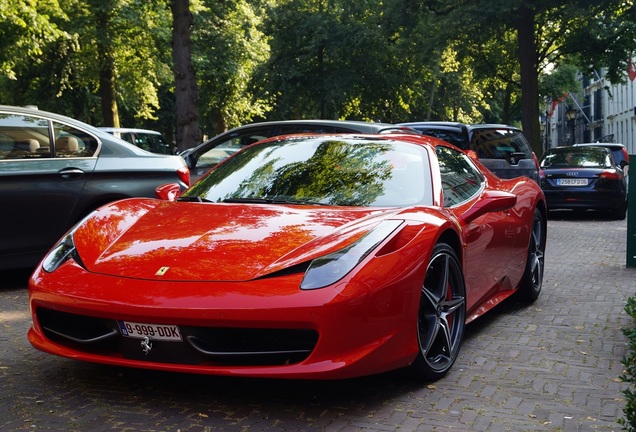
625, 155
609, 175
541, 174
184, 175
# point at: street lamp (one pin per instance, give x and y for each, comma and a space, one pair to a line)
570, 115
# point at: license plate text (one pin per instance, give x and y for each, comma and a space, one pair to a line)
160, 332
572, 182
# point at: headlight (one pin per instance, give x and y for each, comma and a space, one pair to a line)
61, 252
331, 268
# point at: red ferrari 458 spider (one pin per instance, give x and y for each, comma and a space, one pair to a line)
313, 256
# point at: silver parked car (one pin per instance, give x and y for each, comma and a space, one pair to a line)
55, 170
149, 140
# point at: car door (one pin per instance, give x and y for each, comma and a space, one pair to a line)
43, 169
489, 240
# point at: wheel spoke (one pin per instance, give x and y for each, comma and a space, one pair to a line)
437, 288
536, 254
451, 306
536, 236
446, 342
428, 315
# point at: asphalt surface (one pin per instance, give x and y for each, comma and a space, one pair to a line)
551, 366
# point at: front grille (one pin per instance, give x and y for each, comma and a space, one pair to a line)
216, 346
93, 333
244, 346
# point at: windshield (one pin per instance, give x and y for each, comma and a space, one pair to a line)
323, 170
577, 157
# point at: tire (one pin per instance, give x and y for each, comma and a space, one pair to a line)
532, 280
621, 212
441, 316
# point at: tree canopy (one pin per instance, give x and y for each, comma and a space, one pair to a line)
120, 61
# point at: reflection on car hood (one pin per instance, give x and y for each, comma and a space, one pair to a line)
151, 239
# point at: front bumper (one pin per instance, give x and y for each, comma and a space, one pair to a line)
265, 328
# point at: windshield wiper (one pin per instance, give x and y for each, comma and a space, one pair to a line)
192, 199
248, 200
271, 201
298, 201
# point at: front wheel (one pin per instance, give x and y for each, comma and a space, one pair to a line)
442, 315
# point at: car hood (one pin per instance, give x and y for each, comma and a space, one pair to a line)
152, 239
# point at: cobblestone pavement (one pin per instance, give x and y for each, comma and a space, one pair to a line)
551, 366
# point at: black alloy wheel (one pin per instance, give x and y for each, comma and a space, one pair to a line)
442, 315
532, 280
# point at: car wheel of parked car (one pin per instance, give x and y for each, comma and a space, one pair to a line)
532, 280
442, 315
621, 212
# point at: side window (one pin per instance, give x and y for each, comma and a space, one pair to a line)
223, 149
460, 179
142, 141
158, 144
128, 137
499, 143
23, 137
450, 136
71, 142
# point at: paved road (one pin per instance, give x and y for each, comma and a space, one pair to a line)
552, 366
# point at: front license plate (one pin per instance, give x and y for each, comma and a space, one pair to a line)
159, 332
572, 182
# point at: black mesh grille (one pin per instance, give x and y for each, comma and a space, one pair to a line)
200, 345
77, 327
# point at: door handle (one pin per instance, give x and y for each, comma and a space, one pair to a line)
69, 173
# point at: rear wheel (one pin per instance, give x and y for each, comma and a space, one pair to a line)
532, 280
621, 212
442, 315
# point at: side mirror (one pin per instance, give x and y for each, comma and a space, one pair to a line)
168, 192
490, 201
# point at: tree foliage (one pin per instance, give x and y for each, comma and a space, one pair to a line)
599, 33
389, 60
26, 28
229, 46
319, 58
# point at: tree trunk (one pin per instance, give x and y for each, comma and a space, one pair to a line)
219, 122
186, 91
528, 60
110, 113
507, 104
431, 99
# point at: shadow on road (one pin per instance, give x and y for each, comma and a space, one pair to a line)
580, 216
12, 279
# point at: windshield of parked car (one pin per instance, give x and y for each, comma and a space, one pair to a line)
577, 157
324, 170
